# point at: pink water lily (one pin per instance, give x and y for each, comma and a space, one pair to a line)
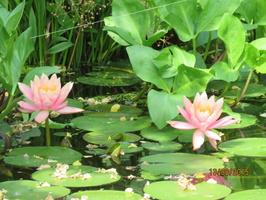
203, 115
46, 95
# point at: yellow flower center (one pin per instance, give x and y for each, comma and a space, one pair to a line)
46, 88
203, 108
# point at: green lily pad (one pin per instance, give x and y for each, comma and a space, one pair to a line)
106, 195
97, 179
254, 147
108, 138
177, 163
151, 176
170, 190
223, 154
96, 151
166, 134
104, 111
108, 78
110, 124
162, 146
37, 156
256, 194
25, 189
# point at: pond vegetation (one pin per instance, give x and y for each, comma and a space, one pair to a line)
132, 99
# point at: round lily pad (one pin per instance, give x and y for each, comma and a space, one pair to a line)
162, 146
108, 138
104, 111
166, 134
106, 195
109, 78
76, 177
171, 190
254, 147
96, 151
256, 194
37, 156
110, 124
127, 147
26, 189
177, 163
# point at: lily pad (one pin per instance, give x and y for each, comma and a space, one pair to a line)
170, 190
110, 124
108, 138
103, 111
109, 78
96, 179
105, 195
162, 146
256, 194
25, 189
254, 147
177, 163
37, 156
130, 147
166, 134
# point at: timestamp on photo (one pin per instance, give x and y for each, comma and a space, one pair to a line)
229, 172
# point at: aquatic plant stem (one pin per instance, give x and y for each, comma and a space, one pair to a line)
207, 46
47, 132
194, 46
244, 89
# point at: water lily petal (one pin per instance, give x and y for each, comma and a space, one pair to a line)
26, 90
225, 121
181, 125
68, 110
64, 93
184, 113
212, 135
27, 106
213, 143
198, 139
41, 116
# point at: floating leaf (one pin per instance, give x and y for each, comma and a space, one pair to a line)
96, 179
103, 111
256, 194
37, 156
166, 134
162, 146
165, 190
25, 189
109, 138
177, 163
110, 124
255, 147
106, 195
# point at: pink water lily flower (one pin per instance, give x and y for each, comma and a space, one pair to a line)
203, 115
46, 95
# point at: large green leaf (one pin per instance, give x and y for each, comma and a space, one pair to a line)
212, 13
37, 156
177, 163
162, 106
128, 24
191, 80
182, 17
141, 59
59, 47
233, 35
254, 147
166, 190
224, 72
26, 189
168, 133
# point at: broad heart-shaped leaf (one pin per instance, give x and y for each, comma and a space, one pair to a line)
110, 124
39, 71
97, 179
233, 35
256, 194
254, 147
212, 13
224, 72
177, 163
248, 8
130, 27
191, 80
141, 59
165, 190
162, 106
26, 189
182, 17
105, 195
37, 156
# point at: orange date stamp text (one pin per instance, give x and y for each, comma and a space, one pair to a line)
228, 172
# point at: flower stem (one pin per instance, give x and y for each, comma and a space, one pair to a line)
47, 133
